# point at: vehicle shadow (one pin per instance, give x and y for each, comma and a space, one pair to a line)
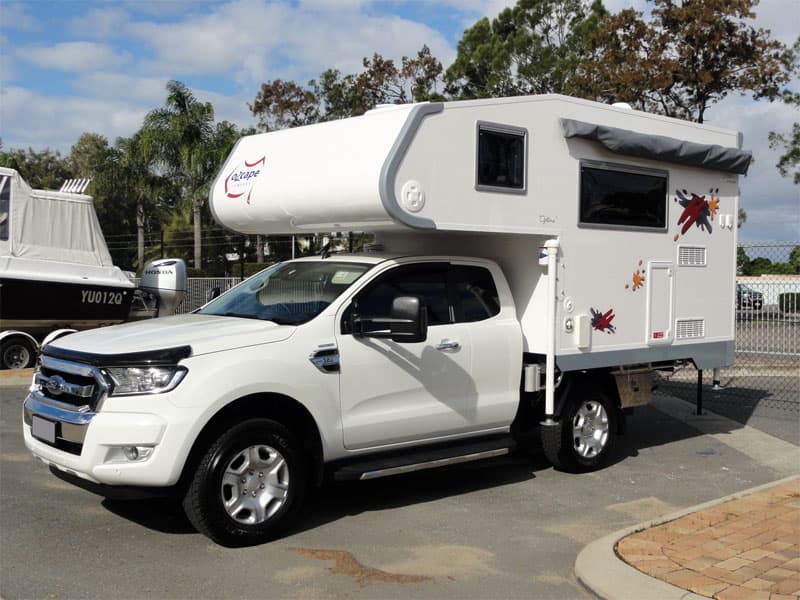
646, 428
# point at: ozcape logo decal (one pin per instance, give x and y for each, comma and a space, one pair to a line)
243, 177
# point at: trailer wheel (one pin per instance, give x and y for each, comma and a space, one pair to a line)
17, 353
584, 437
248, 485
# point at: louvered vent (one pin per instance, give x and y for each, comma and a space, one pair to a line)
691, 256
687, 329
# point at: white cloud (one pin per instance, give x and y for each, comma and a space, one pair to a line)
105, 84
772, 202
252, 41
72, 56
99, 23
216, 43
56, 122
13, 16
8, 71
776, 15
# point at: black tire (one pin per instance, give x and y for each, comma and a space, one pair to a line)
17, 353
269, 483
583, 439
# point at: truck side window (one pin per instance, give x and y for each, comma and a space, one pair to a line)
427, 282
476, 295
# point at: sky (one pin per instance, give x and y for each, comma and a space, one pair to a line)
74, 66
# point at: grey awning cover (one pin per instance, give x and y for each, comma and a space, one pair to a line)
659, 147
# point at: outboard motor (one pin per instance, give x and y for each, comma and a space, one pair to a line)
166, 279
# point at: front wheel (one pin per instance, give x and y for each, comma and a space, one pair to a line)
584, 437
248, 485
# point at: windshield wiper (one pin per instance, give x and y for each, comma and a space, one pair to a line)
241, 315
276, 320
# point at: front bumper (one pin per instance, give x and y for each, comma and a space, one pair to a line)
92, 445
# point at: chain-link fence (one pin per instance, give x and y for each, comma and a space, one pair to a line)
766, 371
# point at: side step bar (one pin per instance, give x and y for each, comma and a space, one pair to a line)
421, 459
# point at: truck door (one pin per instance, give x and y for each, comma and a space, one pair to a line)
398, 392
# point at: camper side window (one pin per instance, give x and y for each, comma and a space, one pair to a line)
618, 196
501, 158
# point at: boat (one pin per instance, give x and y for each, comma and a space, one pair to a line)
55, 268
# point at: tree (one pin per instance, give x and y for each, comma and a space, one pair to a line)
282, 104
181, 135
45, 169
794, 259
790, 159
688, 56
532, 48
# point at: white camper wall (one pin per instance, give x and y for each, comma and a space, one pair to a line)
669, 305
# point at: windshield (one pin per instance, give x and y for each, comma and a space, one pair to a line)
288, 293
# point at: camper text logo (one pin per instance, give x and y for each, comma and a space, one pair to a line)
243, 177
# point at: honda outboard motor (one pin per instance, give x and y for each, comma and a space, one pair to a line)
166, 279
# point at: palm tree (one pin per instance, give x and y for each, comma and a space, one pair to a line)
181, 134
136, 160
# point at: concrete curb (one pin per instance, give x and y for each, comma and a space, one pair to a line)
605, 574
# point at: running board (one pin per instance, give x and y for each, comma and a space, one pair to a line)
420, 460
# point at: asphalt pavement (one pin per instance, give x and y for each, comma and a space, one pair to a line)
510, 527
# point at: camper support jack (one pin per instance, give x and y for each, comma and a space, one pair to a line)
551, 249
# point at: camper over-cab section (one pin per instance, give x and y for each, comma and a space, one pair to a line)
644, 209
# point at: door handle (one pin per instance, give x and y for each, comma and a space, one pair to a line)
448, 345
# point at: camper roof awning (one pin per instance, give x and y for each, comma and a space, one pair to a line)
658, 147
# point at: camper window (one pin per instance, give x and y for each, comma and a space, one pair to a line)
501, 160
622, 196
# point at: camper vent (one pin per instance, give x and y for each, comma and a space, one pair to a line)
691, 256
687, 329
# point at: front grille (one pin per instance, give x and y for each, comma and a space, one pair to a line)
74, 384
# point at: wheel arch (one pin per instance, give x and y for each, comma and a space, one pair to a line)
280, 408
594, 377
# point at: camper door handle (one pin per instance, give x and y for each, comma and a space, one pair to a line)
448, 345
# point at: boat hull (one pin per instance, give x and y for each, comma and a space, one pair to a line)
39, 307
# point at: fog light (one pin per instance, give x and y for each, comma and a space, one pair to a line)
128, 454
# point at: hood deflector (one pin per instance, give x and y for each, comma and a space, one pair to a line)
658, 147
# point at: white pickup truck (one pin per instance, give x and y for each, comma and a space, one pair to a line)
539, 292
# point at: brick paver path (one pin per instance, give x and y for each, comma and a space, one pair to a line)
743, 549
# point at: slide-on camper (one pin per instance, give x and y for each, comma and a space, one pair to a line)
536, 259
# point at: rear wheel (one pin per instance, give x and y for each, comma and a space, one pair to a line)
248, 485
584, 437
17, 353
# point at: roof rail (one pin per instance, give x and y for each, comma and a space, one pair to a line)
75, 186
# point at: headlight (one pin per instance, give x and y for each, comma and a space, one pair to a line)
129, 381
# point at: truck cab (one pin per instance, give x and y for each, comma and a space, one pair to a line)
349, 359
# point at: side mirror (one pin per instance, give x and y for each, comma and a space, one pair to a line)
212, 293
407, 322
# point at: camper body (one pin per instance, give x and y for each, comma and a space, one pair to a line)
539, 257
